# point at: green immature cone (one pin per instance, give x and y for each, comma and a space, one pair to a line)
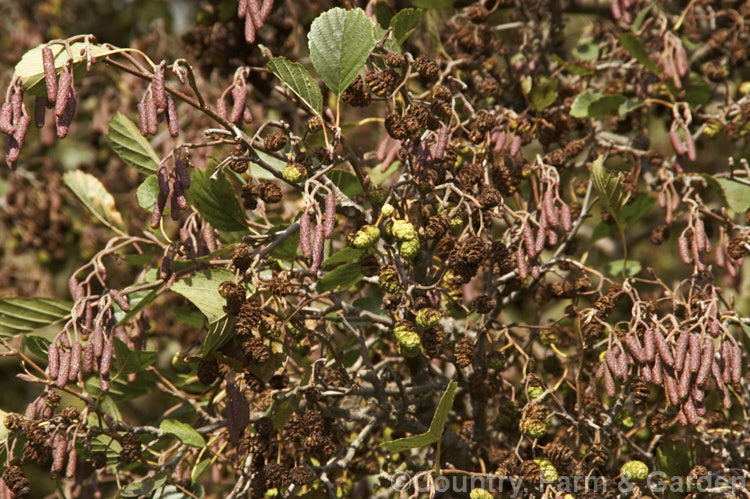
403, 230
409, 249
428, 318
294, 172
634, 471
389, 280
549, 472
533, 428
409, 344
479, 494
366, 237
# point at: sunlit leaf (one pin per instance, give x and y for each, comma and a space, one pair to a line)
202, 289
608, 186
736, 193
633, 45
299, 80
343, 276
92, 193
128, 143
25, 315
184, 432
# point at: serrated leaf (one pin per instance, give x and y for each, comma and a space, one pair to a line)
299, 80
127, 361
202, 289
403, 23
147, 193
347, 254
607, 185
128, 143
343, 276
25, 315
217, 202
31, 70
92, 193
340, 42
184, 432
437, 425
219, 332
633, 45
736, 193
543, 93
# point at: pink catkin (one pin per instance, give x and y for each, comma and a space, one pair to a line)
694, 349
317, 250
609, 382
656, 370
53, 360
50, 74
152, 120
70, 469
253, 9
528, 240
75, 361
684, 383
62, 374
521, 262
158, 88
239, 96
59, 446
663, 348
242, 9
6, 118
684, 249
142, 121
677, 144
735, 362
305, 229
97, 339
707, 358
88, 358
120, 300
670, 386
265, 10
548, 202
635, 348
107, 352
681, 351
161, 202
330, 215
63, 122
172, 123
63, 91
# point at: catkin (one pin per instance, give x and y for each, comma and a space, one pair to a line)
681, 351
97, 339
726, 375
670, 386
684, 383
63, 122
209, 237
142, 121
700, 234
172, 124
690, 412
107, 352
253, 10
684, 248
53, 360
548, 204
265, 10
694, 352
162, 176
304, 234
174, 203
614, 367
50, 74
70, 469
609, 382
330, 215
6, 118
152, 119
242, 9
63, 91
635, 348
75, 362
656, 370
521, 262
16, 103
59, 446
62, 374
735, 363
161, 202
158, 88
88, 358
681, 60
646, 373
663, 347
528, 240
677, 144
181, 171
239, 95
566, 219
120, 300
707, 357
317, 250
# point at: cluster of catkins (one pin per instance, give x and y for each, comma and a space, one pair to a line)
156, 104
323, 231
69, 361
623, 10
255, 14
174, 180
692, 242
551, 217
682, 367
240, 113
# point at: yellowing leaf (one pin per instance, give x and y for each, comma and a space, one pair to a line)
92, 193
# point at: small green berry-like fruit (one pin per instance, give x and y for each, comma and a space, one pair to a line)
634, 471
745, 87
403, 230
534, 392
624, 420
179, 363
712, 128
365, 237
479, 494
533, 428
389, 281
378, 196
294, 172
427, 318
409, 344
387, 210
409, 249
549, 472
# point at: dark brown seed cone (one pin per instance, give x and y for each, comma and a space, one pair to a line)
426, 67
242, 257
50, 74
395, 60
208, 371
464, 352
269, 192
356, 95
560, 455
483, 304
275, 141
131, 449
16, 481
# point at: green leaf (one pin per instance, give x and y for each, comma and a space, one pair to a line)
184, 432
92, 193
441, 414
571, 68
298, 79
37, 345
219, 332
147, 193
403, 24
590, 104
433, 4
217, 202
736, 193
633, 45
347, 254
138, 301
614, 267
639, 208
129, 361
377, 177
202, 289
25, 315
543, 93
144, 488
345, 181
698, 93
606, 106
199, 469
125, 139
435, 432
343, 276
287, 250
340, 42
607, 185
638, 21
580, 106
587, 51
603, 230
31, 70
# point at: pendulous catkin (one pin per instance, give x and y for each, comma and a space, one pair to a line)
609, 382
158, 88
50, 74
681, 351
62, 374
694, 350
70, 469
181, 171
735, 363
242, 9
75, 361
88, 358
707, 358
107, 352
6, 118
239, 95
304, 234
253, 10
64, 88
53, 360
172, 124
59, 446
120, 300
663, 348
265, 10
63, 122
317, 249
330, 215
152, 118
97, 339
635, 348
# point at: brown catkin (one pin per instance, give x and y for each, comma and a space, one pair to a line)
330, 215
120, 300
53, 360
656, 370
548, 204
528, 241
63, 90
59, 446
646, 373
681, 351
253, 10
690, 413
40, 109
172, 124
209, 237
62, 374
75, 361
50, 74
239, 95
609, 382
670, 386
97, 339
663, 347
181, 171
16, 102
175, 204
726, 375
104, 382
6, 118
521, 262
684, 248
716, 372
707, 358
692, 154
681, 60
649, 344
107, 352
317, 249
679, 147
566, 219
63, 122
694, 352
158, 88
162, 177
88, 358
70, 469
614, 366
142, 122
152, 119
684, 383
161, 202
305, 229
22, 127
699, 229
735, 362
635, 348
